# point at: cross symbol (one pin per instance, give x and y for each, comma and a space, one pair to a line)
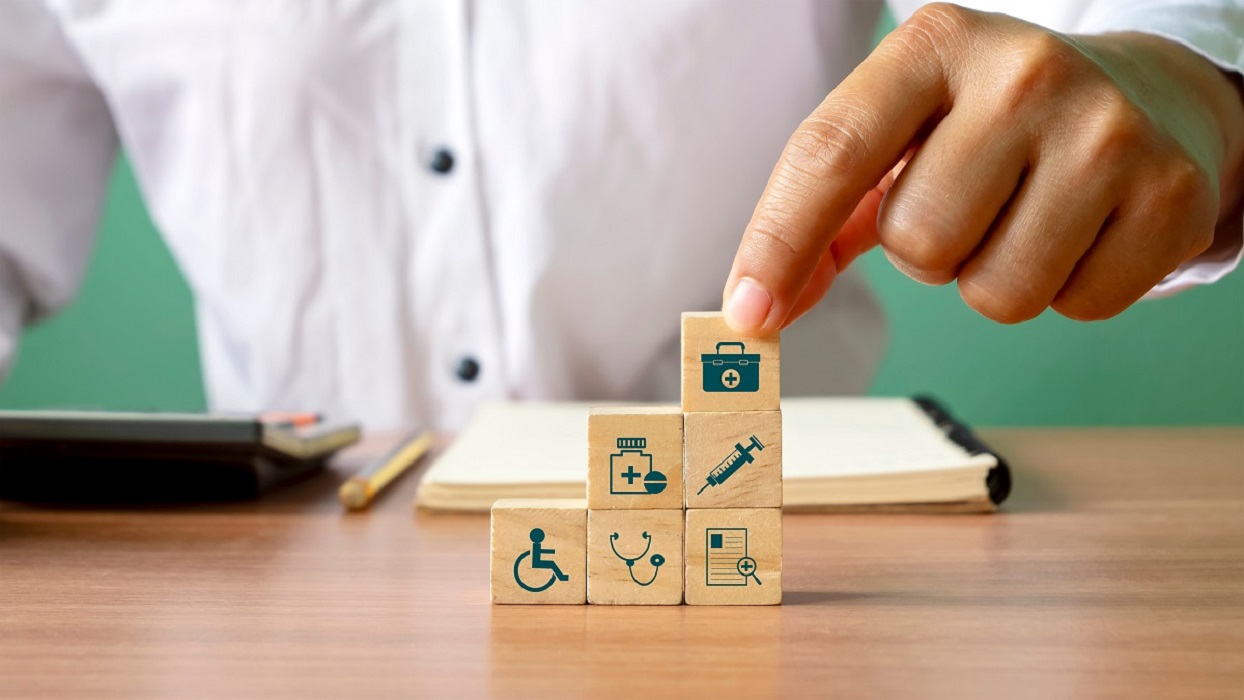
746, 566
630, 474
730, 377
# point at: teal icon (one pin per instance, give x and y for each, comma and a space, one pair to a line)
537, 554
657, 560
742, 455
731, 372
630, 469
726, 562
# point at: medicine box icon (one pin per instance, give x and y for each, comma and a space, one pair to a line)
630, 469
733, 372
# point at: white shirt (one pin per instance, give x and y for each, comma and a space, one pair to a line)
606, 157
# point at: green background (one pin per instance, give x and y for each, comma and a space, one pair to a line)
128, 342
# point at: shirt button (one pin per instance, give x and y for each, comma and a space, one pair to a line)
468, 369
442, 161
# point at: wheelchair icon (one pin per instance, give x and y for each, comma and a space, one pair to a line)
537, 554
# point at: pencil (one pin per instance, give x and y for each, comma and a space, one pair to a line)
358, 492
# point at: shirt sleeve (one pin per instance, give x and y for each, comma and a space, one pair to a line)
57, 146
1213, 29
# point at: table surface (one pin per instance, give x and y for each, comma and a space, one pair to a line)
1117, 568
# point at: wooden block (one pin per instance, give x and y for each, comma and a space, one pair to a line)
550, 533
734, 556
634, 557
715, 441
722, 371
634, 458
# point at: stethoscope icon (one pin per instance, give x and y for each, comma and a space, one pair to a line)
656, 560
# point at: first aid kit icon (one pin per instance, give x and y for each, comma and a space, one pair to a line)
736, 372
630, 469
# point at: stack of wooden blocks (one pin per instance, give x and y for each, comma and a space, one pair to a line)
682, 504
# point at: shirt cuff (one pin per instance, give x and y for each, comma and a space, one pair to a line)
1205, 269
1210, 28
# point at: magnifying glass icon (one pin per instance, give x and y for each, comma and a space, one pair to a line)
747, 567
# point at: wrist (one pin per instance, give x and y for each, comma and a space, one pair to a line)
1199, 104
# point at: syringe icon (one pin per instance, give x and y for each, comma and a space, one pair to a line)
742, 455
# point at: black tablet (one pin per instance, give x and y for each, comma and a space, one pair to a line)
105, 457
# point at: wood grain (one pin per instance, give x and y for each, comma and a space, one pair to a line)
660, 430
750, 573
1115, 570
558, 526
711, 438
610, 581
701, 332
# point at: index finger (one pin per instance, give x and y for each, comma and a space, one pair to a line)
839, 153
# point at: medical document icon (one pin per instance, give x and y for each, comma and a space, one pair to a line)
733, 372
726, 562
630, 469
538, 561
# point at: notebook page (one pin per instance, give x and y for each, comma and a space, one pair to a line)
518, 443
546, 443
838, 437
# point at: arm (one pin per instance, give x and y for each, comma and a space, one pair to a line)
1036, 169
56, 149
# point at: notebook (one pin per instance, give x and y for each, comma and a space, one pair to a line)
838, 454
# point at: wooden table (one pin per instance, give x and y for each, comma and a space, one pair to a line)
1116, 569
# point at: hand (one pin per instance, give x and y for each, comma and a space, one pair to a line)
1039, 170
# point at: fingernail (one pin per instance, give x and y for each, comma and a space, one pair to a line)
748, 306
